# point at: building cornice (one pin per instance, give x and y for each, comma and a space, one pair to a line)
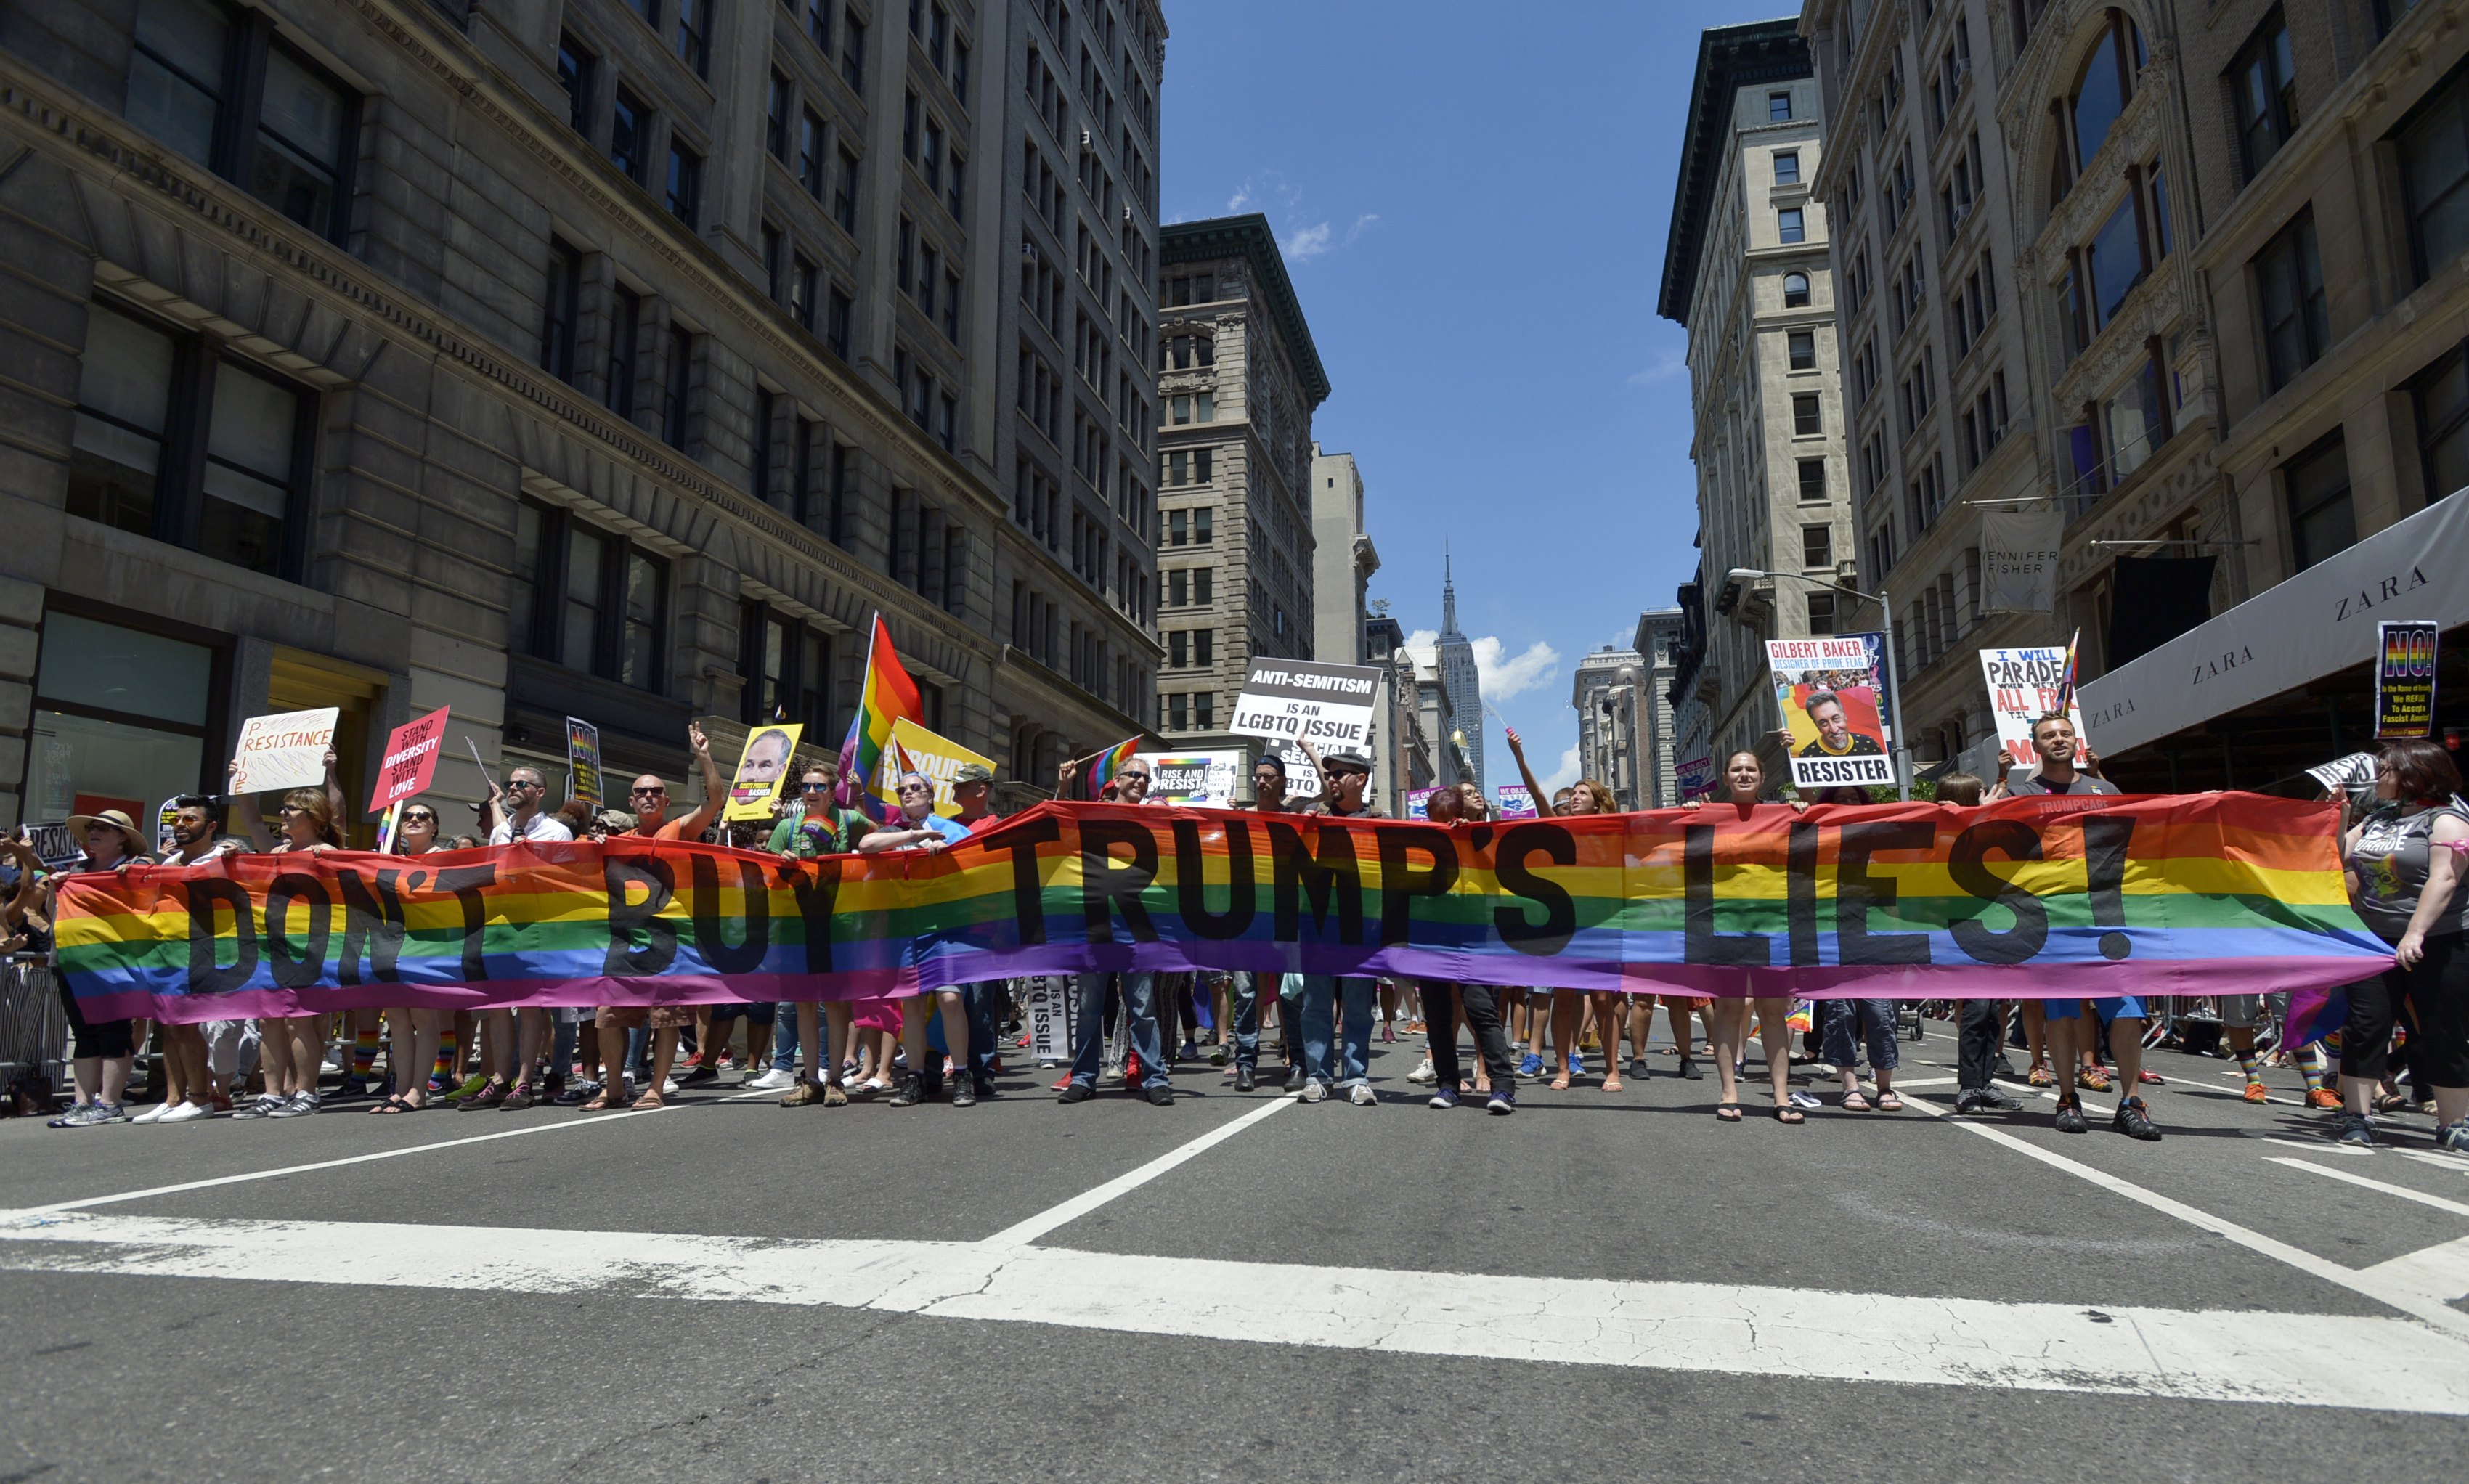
1249, 238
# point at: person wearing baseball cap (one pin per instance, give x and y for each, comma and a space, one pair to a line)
1345, 773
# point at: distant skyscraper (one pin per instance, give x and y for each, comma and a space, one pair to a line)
1457, 676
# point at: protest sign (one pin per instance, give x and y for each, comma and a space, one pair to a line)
1299, 700
1693, 777
1418, 803
1514, 803
410, 761
761, 769
2024, 685
1047, 1005
2228, 890
287, 750
2018, 561
916, 749
2405, 677
1199, 780
583, 762
58, 845
1303, 780
1827, 691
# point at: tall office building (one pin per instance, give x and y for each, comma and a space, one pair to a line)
609, 360
1745, 269
1608, 691
1343, 560
1238, 380
1459, 677
1658, 643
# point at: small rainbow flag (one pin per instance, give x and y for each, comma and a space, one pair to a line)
888, 695
1110, 762
2067, 681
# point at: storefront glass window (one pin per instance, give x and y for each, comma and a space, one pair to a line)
120, 719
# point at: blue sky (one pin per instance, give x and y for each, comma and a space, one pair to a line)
1473, 201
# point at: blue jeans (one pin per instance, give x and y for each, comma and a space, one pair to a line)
1089, 1033
784, 1037
1321, 999
1875, 1019
977, 1001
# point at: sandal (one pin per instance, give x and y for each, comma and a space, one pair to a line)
1785, 1113
2393, 1103
398, 1104
1855, 1102
1612, 1082
1889, 1102
1728, 1112
649, 1102
1561, 1083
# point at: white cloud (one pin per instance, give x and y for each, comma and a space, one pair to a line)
1423, 645
1303, 234
1668, 364
1560, 777
1308, 242
1538, 664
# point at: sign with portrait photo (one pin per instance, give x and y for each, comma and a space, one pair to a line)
761, 769
1825, 688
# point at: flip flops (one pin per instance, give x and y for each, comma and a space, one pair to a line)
398, 1103
1728, 1112
1785, 1113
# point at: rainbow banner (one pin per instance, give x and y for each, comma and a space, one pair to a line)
2023, 899
886, 695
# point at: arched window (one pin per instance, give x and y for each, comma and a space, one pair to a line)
1796, 290
2104, 86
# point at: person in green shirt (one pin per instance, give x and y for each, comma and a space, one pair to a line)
816, 826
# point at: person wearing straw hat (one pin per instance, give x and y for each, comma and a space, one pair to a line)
106, 1051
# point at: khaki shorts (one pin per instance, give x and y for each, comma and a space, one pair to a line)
658, 1017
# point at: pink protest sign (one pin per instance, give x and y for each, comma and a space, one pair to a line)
410, 759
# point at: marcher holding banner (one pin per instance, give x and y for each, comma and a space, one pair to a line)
2405, 860
917, 827
1744, 796
294, 1046
1137, 986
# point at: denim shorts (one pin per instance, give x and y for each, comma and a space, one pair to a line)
2127, 1006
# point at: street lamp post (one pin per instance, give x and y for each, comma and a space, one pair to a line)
1901, 752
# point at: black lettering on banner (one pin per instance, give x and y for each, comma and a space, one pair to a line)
465, 883
1700, 943
372, 924
1400, 882
1800, 892
1028, 899
1191, 894
1856, 892
1332, 875
2105, 841
817, 889
755, 923
207, 976
659, 945
303, 971
1559, 921
2015, 840
1107, 887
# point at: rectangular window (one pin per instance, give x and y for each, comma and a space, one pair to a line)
1788, 225
575, 72
685, 199
951, 306
1177, 652
1805, 420
2439, 396
852, 50
630, 135
775, 118
765, 408
673, 392
818, 26
837, 318
1821, 614
802, 278
122, 718
693, 38
1778, 107
2114, 263
845, 194
1817, 546
1178, 712
246, 106
2288, 284
1803, 347
1813, 480
1177, 528
1204, 646
810, 153
1200, 580
1787, 167
558, 300
1200, 524
624, 316
1178, 587
2263, 83
2321, 519
1201, 459
2135, 421
1178, 469
771, 262
2432, 145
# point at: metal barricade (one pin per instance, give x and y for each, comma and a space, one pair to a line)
33, 1027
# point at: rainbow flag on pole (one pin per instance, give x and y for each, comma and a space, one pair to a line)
887, 695
2067, 681
1109, 762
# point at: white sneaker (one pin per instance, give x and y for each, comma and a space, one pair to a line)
1423, 1073
1314, 1091
772, 1081
155, 1115
186, 1112
1363, 1096
668, 1087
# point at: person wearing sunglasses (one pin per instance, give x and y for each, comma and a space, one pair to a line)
1138, 986
413, 1034
814, 824
918, 827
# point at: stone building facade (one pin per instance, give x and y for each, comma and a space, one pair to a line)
1610, 691
1453, 657
1746, 269
606, 360
1237, 383
1658, 643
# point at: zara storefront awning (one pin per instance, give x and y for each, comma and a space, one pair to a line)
2317, 623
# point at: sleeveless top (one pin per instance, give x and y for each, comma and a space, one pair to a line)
2391, 861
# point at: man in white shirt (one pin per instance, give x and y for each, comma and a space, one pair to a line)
519, 818
519, 810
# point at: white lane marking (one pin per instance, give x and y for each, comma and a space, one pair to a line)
2348, 1150
2455, 1207
2408, 1298
1080, 1206
2339, 1361
590, 1121
2441, 1271
2451, 1162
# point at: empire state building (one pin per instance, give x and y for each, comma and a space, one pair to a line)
1459, 680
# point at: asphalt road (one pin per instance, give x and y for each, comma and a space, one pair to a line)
1238, 1288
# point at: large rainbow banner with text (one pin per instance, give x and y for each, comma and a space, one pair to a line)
2022, 898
